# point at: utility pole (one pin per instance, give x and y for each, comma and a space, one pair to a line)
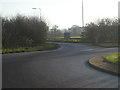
82, 17
82, 29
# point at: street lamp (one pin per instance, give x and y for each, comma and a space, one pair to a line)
40, 12
82, 17
82, 29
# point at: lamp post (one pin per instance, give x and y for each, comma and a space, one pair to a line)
82, 29
39, 10
82, 17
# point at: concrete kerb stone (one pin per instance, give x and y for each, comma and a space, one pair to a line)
100, 63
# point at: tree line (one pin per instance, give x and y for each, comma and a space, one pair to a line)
23, 31
102, 31
54, 32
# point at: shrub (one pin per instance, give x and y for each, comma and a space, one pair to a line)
23, 31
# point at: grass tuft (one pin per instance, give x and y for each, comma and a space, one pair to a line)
109, 45
113, 58
47, 46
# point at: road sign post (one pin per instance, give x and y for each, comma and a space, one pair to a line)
66, 36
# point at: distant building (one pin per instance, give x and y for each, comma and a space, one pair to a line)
66, 35
75, 30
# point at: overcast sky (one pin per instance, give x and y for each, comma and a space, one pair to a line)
63, 13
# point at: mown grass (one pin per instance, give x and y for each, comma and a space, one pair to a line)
75, 39
109, 45
72, 40
47, 46
62, 40
70, 37
113, 58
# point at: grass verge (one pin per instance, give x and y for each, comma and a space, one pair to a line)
113, 58
71, 40
70, 37
109, 45
68, 41
47, 46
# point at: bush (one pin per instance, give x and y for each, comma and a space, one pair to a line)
23, 31
105, 30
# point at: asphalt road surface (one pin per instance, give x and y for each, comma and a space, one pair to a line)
66, 67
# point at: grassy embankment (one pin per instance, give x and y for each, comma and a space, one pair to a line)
109, 45
75, 39
113, 58
47, 46
78, 39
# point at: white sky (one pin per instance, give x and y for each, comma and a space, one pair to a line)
63, 13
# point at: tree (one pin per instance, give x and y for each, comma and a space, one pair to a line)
54, 28
102, 31
21, 31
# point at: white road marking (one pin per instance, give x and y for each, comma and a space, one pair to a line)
88, 50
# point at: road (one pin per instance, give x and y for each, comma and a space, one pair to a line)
66, 67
